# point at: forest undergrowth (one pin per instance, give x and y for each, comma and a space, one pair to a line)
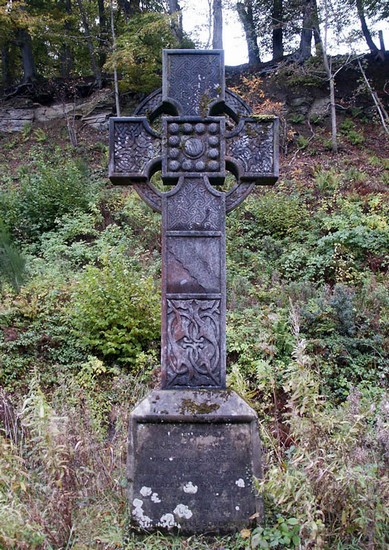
307, 333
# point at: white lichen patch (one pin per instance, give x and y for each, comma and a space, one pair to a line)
190, 488
146, 491
167, 521
240, 482
138, 514
182, 511
155, 498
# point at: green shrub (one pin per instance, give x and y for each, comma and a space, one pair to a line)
273, 214
116, 310
348, 129
330, 475
327, 180
361, 229
35, 333
349, 349
296, 118
46, 191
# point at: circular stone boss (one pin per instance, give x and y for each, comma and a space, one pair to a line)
174, 128
193, 148
174, 140
200, 128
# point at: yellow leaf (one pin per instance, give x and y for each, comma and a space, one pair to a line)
245, 533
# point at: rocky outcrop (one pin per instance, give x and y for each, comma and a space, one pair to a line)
95, 112
14, 120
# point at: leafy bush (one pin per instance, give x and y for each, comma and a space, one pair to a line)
47, 191
348, 129
274, 214
35, 333
116, 310
350, 350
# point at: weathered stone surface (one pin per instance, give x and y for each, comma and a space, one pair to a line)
192, 458
95, 112
46, 114
194, 446
14, 120
320, 108
98, 121
193, 151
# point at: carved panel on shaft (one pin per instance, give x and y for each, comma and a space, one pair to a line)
195, 208
193, 264
193, 343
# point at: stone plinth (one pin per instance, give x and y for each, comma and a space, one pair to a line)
193, 455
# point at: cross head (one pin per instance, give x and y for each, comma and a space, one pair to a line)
205, 132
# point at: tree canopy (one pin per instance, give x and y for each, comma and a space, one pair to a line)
43, 39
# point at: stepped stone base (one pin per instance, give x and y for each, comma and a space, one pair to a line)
193, 455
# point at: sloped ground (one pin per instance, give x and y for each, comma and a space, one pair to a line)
307, 336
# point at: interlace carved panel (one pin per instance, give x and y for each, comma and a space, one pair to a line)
253, 147
194, 208
193, 341
134, 147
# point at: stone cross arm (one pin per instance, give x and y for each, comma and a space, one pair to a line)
191, 146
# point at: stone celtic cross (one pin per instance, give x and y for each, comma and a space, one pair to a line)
193, 446
206, 131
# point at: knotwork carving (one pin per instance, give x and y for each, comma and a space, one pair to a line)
252, 145
193, 343
198, 81
134, 146
194, 208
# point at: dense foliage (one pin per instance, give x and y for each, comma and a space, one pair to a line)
42, 39
307, 331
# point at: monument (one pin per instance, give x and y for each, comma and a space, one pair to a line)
194, 446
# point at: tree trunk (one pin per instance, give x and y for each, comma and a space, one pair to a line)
176, 12
305, 51
66, 53
115, 72
316, 29
94, 66
331, 82
277, 38
23, 40
217, 37
365, 30
245, 12
103, 34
